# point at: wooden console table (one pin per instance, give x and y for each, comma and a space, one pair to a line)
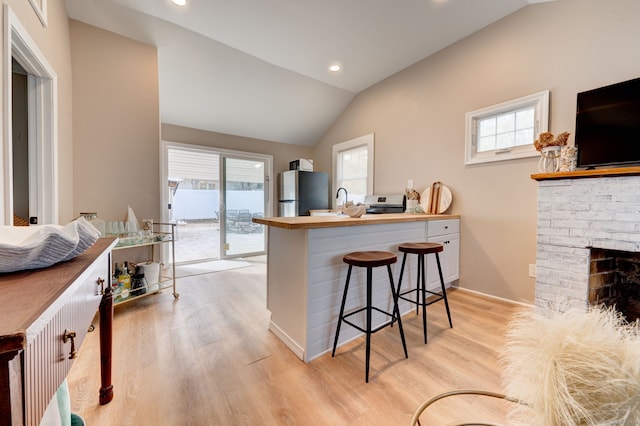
44, 317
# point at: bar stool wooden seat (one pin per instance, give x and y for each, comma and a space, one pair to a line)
422, 249
369, 260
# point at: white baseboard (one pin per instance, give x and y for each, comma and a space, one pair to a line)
490, 296
291, 344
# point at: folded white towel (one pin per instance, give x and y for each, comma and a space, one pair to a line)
32, 247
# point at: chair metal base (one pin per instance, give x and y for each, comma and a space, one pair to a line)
421, 292
368, 330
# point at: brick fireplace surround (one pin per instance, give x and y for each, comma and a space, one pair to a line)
578, 211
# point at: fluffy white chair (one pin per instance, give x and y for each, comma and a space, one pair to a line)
574, 368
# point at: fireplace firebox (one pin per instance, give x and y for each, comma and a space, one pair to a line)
614, 281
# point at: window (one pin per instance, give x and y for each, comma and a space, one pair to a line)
353, 167
506, 131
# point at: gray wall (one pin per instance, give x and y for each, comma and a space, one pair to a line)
20, 147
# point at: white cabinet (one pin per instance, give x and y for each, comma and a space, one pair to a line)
447, 233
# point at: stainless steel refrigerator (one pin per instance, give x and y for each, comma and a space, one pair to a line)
299, 192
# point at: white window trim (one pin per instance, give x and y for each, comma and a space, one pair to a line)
539, 100
366, 140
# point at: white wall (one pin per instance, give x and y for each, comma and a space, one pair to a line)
193, 204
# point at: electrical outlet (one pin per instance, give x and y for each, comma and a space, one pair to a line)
532, 270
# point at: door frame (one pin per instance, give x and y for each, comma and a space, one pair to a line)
164, 198
223, 201
42, 87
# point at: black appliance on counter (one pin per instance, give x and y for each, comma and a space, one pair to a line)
300, 191
385, 203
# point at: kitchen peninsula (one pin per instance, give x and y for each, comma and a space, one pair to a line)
305, 272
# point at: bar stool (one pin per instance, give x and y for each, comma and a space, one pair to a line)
370, 260
422, 249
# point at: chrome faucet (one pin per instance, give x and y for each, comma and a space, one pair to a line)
346, 195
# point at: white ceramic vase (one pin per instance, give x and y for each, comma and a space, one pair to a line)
549, 159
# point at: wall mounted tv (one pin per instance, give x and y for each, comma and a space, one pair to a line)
608, 126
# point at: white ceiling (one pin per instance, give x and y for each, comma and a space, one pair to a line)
259, 68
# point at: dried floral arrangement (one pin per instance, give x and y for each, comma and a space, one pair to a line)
412, 194
546, 139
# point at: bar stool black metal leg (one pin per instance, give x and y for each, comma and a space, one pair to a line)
344, 300
369, 304
422, 289
444, 291
404, 259
396, 311
420, 272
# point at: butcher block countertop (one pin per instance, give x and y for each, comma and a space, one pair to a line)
311, 222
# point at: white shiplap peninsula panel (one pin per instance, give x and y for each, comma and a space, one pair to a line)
327, 275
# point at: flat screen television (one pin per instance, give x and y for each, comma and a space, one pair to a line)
608, 126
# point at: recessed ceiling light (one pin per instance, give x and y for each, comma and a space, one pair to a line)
335, 68
179, 2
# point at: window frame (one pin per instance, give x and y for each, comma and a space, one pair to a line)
540, 103
366, 141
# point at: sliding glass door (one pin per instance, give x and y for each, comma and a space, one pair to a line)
244, 196
193, 191
213, 195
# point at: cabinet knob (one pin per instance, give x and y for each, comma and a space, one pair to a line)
100, 283
70, 335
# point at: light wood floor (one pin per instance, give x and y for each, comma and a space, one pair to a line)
208, 358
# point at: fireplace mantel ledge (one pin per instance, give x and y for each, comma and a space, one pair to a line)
595, 173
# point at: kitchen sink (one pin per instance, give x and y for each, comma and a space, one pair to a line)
327, 213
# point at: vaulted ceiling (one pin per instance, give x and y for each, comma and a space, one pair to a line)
259, 68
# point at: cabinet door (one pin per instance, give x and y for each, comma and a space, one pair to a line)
449, 261
47, 358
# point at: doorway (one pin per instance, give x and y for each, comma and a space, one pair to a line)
20, 143
244, 197
31, 191
212, 196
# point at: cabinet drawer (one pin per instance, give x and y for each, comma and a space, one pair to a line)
442, 227
46, 359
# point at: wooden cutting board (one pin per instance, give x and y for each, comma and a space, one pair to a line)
436, 199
